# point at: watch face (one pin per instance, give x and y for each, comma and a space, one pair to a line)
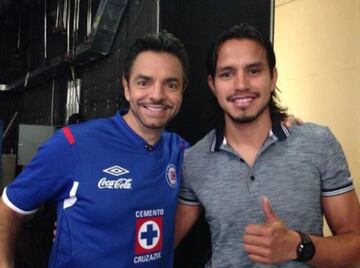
307, 251
306, 248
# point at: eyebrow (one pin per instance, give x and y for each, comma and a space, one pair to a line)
224, 68
255, 64
141, 76
172, 79
231, 67
145, 77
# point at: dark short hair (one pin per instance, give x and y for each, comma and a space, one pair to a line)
246, 31
159, 42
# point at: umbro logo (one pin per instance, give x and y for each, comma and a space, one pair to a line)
116, 171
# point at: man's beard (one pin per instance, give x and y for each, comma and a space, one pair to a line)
245, 119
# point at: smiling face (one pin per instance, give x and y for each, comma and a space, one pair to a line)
154, 91
243, 82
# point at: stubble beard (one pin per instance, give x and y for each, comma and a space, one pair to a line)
245, 118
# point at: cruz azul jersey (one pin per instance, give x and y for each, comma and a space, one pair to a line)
116, 196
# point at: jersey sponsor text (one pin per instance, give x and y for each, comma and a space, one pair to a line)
147, 257
149, 213
121, 183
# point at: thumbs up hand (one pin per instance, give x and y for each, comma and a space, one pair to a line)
269, 214
271, 242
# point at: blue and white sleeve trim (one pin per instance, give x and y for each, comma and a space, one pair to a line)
332, 192
15, 208
187, 197
190, 202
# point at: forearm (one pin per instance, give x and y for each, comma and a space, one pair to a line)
9, 225
186, 216
182, 227
342, 250
342, 214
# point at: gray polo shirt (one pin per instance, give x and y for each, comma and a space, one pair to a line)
294, 169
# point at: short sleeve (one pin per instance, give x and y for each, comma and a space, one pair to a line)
186, 194
47, 177
336, 178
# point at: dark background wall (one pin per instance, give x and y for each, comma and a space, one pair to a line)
196, 22
101, 91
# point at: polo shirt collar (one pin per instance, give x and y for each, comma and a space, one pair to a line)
278, 132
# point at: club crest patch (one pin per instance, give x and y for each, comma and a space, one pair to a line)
148, 235
171, 176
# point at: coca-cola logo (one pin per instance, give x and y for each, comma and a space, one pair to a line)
122, 183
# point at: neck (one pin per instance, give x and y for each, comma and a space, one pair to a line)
151, 136
253, 132
247, 138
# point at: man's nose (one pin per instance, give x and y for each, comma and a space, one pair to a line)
241, 81
157, 92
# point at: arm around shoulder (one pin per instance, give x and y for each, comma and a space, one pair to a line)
10, 224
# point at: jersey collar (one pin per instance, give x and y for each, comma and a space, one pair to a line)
132, 135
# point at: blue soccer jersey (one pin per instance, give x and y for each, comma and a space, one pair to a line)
116, 196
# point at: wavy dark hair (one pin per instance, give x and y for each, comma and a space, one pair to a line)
160, 42
246, 31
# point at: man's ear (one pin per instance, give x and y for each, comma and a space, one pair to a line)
274, 78
126, 88
211, 84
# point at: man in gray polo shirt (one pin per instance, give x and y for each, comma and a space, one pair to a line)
265, 188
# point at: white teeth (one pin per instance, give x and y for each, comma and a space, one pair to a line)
243, 100
155, 108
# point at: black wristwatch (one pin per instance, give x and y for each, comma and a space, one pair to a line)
305, 250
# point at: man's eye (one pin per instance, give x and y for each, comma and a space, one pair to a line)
173, 86
225, 75
142, 83
254, 70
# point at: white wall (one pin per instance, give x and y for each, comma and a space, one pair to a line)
317, 43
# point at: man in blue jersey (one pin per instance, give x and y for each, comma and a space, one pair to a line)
264, 187
115, 181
